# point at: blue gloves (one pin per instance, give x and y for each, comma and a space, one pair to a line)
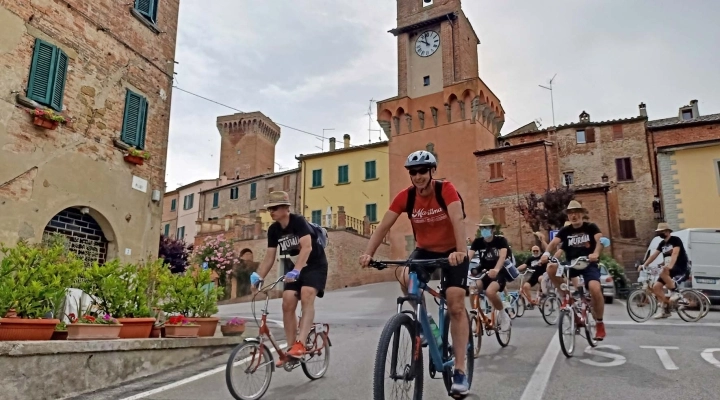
255, 279
294, 274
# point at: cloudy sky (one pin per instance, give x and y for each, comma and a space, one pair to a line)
315, 64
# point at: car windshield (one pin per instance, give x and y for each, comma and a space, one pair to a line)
603, 270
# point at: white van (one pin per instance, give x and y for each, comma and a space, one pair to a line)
703, 249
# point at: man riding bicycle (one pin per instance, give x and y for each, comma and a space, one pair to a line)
674, 266
494, 251
580, 239
534, 263
305, 268
439, 233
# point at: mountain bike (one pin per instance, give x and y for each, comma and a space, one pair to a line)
574, 311
404, 374
259, 358
480, 323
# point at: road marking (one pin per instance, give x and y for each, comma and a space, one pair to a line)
662, 352
651, 323
708, 356
617, 358
540, 377
190, 379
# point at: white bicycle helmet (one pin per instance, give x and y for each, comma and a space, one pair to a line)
421, 158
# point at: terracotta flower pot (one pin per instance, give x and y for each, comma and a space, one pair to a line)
232, 330
137, 160
155, 332
207, 325
136, 328
181, 331
93, 331
27, 329
45, 123
59, 335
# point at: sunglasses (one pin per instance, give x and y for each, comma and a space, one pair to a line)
421, 171
536, 252
274, 208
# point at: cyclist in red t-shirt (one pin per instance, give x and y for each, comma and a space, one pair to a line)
439, 233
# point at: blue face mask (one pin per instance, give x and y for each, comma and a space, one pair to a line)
486, 233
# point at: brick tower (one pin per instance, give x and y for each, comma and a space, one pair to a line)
442, 104
248, 144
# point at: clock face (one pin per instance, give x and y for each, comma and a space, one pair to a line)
427, 43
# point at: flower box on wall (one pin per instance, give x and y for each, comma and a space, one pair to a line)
137, 160
45, 123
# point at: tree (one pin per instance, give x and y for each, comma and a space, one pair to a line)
546, 211
175, 253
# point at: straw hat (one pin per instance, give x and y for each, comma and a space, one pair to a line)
575, 205
487, 221
663, 226
278, 198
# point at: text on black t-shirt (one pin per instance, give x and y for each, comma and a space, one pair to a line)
578, 242
489, 252
666, 248
288, 240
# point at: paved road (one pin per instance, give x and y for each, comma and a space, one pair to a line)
669, 359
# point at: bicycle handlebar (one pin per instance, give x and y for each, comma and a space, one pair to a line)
477, 278
434, 262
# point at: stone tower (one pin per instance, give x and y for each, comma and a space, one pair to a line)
248, 144
441, 103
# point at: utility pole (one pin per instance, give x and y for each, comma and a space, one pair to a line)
552, 101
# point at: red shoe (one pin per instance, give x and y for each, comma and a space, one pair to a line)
297, 350
600, 331
280, 362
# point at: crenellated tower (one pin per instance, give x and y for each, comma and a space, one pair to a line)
248, 144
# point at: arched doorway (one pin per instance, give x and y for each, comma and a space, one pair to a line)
85, 237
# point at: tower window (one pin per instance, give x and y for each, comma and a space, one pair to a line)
426, 81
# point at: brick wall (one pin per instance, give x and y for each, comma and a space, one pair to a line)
85, 236
685, 135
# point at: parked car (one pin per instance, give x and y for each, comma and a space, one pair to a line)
608, 284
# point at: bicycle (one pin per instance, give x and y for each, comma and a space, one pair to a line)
645, 299
480, 323
260, 356
442, 358
574, 311
520, 302
549, 303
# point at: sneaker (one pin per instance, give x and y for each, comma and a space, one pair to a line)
504, 321
662, 313
280, 362
675, 297
600, 331
297, 350
460, 383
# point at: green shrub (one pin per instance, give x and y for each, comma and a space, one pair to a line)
615, 270
521, 257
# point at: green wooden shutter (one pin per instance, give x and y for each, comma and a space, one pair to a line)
143, 124
133, 130
370, 170
148, 8
167, 229
371, 212
173, 204
58, 88
216, 199
253, 190
40, 84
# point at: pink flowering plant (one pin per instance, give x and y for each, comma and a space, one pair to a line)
219, 255
236, 321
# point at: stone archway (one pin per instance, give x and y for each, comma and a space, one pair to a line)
88, 233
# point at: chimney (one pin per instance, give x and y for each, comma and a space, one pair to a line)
643, 110
695, 110
346, 141
584, 117
332, 144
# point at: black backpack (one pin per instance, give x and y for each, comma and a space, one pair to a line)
412, 192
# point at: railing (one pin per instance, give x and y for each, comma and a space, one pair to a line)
327, 221
373, 228
354, 224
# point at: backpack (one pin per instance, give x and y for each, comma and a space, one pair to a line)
412, 191
320, 232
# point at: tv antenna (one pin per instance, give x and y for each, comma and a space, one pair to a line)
323, 138
370, 129
552, 102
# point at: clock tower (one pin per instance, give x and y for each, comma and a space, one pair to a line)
441, 104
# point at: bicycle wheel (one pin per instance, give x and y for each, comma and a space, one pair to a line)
705, 301
690, 306
316, 361
641, 306
590, 329
448, 354
502, 337
401, 373
259, 360
566, 332
477, 331
550, 309
520, 306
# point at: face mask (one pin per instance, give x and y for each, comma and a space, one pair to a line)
486, 233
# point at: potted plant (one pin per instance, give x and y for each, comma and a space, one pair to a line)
89, 327
234, 327
60, 332
179, 327
32, 279
135, 156
202, 310
46, 118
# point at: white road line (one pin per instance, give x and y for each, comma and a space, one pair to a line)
188, 380
650, 323
622, 302
662, 352
540, 377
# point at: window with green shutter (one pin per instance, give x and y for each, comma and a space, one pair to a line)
343, 174
188, 201
216, 199
317, 178
134, 120
370, 172
316, 217
181, 233
253, 191
167, 229
48, 73
234, 193
371, 212
148, 9
173, 204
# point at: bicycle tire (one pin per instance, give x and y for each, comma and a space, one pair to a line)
477, 330
705, 301
394, 324
652, 305
520, 306
567, 350
326, 363
686, 317
230, 365
447, 352
589, 332
554, 304
497, 330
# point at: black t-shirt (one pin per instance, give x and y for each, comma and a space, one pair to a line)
289, 241
490, 251
578, 242
534, 263
666, 248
